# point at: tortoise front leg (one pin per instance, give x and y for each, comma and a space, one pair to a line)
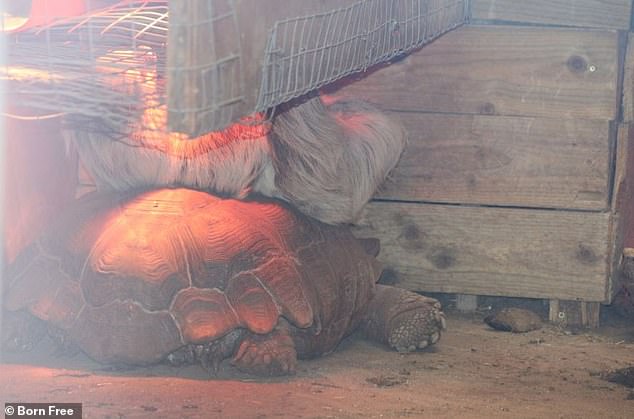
271, 354
209, 354
403, 319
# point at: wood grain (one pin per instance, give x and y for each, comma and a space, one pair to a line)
502, 70
493, 251
622, 227
585, 13
568, 314
509, 161
628, 81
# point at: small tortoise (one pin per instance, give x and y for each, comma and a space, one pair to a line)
183, 275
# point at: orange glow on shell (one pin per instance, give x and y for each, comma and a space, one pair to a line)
146, 230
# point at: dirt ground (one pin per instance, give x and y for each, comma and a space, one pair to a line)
473, 372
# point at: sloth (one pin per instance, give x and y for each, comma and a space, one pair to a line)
326, 157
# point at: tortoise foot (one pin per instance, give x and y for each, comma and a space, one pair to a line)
210, 354
413, 330
21, 331
267, 355
185, 355
404, 320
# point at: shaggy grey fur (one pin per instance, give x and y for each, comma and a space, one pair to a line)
216, 162
328, 161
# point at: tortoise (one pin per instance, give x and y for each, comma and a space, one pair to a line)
185, 276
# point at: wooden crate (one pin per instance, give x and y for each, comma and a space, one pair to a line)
507, 161
494, 251
628, 82
504, 70
586, 13
513, 180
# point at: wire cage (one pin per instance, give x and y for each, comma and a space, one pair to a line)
103, 70
308, 52
195, 66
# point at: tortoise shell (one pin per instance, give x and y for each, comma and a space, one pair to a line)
133, 279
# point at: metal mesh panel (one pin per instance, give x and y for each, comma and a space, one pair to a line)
104, 71
206, 81
306, 53
108, 71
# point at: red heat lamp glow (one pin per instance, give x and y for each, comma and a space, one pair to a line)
21, 15
132, 72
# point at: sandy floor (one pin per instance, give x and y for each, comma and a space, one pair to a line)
474, 372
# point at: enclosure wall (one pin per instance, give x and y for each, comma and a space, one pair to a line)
510, 181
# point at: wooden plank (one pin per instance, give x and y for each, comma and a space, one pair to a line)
491, 160
555, 315
623, 200
622, 227
502, 70
574, 313
590, 314
493, 251
200, 35
466, 303
585, 13
628, 81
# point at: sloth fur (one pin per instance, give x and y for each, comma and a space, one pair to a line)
327, 161
226, 162
330, 160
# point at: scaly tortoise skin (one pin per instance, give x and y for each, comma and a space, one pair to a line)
183, 275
